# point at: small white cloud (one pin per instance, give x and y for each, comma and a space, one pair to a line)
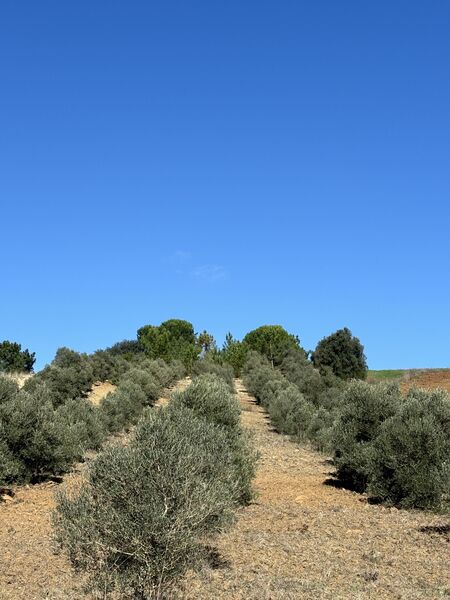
182, 256
210, 273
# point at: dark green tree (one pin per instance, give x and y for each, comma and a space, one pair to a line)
272, 341
234, 353
206, 341
173, 340
13, 358
343, 353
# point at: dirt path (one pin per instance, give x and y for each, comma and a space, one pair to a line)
306, 540
29, 568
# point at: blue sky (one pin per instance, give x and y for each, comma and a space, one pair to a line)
231, 163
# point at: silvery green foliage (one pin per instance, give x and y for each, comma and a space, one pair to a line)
364, 408
146, 381
145, 512
290, 412
11, 469
224, 371
8, 389
210, 398
411, 455
124, 406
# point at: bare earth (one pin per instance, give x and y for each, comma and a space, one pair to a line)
439, 378
301, 539
100, 390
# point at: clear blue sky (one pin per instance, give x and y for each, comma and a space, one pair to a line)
231, 163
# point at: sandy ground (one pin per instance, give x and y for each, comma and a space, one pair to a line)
301, 539
99, 391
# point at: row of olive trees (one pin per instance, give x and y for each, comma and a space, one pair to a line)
49, 424
148, 511
395, 448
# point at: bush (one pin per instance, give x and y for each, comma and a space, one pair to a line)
320, 430
160, 370
365, 408
11, 469
33, 436
146, 381
262, 380
63, 383
8, 389
145, 511
82, 427
124, 406
225, 372
13, 358
411, 457
290, 412
210, 398
343, 354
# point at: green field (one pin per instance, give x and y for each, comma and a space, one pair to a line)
387, 374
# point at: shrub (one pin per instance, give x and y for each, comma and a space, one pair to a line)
411, 458
290, 412
343, 354
63, 383
145, 511
261, 379
320, 430
149, 385
178, 370
8, 389
82, 426
365, 408
225, 372
13, 358
210, 398
33, 436
11, 469
160, 370
124, 406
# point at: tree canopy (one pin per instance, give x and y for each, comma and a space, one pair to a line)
343, 353
271, 341
13, 358
172, 340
